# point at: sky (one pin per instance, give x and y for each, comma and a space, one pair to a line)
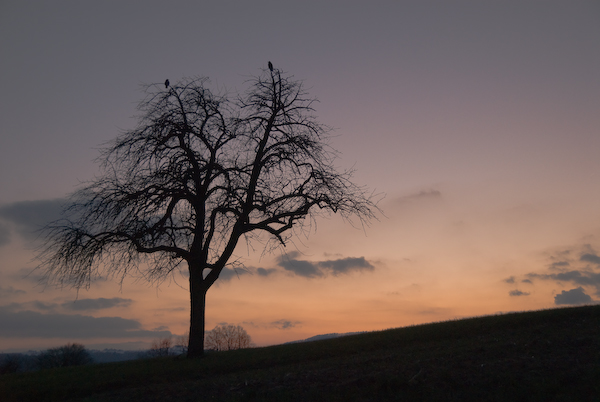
478, 120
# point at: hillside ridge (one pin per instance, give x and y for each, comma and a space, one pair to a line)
546, 355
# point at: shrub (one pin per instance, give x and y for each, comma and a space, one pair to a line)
227, 338
11, 363
72, 354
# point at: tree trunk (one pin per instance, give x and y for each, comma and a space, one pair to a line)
198, 291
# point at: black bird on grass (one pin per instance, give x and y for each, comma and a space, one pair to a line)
166, 83
271, 66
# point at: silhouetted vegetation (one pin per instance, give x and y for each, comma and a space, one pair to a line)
200, 172
10, 363
72, 354
161, 347
227, 337
550, 355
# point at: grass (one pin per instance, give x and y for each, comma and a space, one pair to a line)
549, 355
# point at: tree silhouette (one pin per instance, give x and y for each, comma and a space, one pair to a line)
161, 347
72, 354
227, 337
199, 173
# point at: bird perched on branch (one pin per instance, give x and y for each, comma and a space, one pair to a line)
166, 83
271, 66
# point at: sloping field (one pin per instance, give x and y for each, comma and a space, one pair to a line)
549, 355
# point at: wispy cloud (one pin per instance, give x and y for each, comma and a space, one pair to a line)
578, 266
284, 324
299, 267
517, 292
40, 305
4, 234
265, 271
74, 305
96, 304
229, 273
345, 265
434, 311
313, 269
590, 258
29, 217
425, 195
559, 265
585, 278
10, 290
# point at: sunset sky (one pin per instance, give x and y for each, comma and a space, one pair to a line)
478, 120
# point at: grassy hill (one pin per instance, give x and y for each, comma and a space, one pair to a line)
549, 355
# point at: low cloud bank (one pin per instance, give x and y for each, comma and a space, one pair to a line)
74, 305
32, 324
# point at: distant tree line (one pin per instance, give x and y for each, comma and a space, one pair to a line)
72, 354
221, 338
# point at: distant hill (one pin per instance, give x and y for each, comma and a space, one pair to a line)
114, 355
324, 336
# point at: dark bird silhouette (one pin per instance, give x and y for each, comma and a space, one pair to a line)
167, 83
271, 66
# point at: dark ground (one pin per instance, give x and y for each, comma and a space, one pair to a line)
550, 355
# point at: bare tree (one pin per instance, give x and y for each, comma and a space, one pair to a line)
227, 337
199, 173
182, 342
161, 347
